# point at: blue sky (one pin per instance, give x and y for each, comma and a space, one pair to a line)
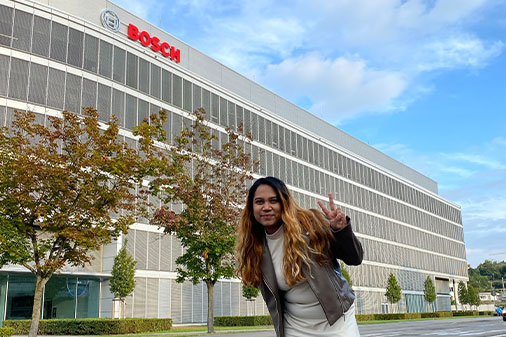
422, 81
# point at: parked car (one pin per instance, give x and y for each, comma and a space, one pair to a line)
504, 313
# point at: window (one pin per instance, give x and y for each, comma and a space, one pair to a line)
22, 30
89, 95
40, 36
187, 95
119, 65
215, 108
206, 103
131, 70
118, 106
197, 97
223, 112
59, 42
55, 91
75, 48
131, 112
5, 25
18, 82
143, 75
143, 111
166, 86
105, 59
73, 93
90, 53
104, 102
177, 90
4, 75
231, 116
38, 84
155, 81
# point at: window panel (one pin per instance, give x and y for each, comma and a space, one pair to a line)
89, 96
231, 116
215, 108
206, 103
166, 86
59, 41
38, 84
18, 81
197, 97
75, 48
104, 102
22, 30
131, 70
118, 106
130, 112
155, 81
177, 90
6, 18
56, 91
143, 75
90, 53
105, 59
187, 95
143, 112
73, 93
4, 76
223, 112
119, 65
40, 36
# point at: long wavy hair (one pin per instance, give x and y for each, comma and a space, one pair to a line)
296, 221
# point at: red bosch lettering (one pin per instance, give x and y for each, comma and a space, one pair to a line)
147, 40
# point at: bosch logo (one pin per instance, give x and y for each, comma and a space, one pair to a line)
110, 20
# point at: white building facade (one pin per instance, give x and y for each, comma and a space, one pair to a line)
57, 55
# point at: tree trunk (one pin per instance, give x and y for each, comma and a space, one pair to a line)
210, 307
37, 299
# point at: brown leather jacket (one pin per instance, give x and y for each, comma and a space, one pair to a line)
327, 283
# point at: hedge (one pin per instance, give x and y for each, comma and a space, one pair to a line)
486, 313
6, 332
466, 313
92, 326
437, 314
242, 320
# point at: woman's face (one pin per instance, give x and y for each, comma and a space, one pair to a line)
267, 208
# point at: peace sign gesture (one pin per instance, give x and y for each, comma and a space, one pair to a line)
337, 219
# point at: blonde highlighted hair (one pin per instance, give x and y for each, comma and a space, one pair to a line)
297, 221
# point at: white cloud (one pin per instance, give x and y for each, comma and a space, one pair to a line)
338, 88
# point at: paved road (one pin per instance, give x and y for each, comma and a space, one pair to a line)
473, 327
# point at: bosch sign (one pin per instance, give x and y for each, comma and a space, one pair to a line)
156, 45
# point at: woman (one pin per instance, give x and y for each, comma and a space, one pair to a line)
291, 254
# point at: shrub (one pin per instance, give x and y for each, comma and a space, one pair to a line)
92, 326
486, 313
242, 320
465, 313
6, 332
386, 317
364, 317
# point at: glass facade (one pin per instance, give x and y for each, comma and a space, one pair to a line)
64, 297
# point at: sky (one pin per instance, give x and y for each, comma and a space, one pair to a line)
424, 81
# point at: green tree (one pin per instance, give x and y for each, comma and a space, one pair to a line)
463, 294
429, 291
393, 293
209, 182
346, 275
473, 296
122, 282
250, 293
60, 185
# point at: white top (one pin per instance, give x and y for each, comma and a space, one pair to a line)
304, 315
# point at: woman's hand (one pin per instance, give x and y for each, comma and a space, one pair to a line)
337, 219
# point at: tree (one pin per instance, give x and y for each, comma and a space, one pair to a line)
393, 293
346, 275
122, 282
60, 187
473, 296
463, 294
209, 181
429, 291
250, 293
